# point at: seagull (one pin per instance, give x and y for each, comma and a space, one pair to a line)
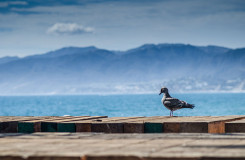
173, 104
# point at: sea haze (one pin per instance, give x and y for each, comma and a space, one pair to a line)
121, 105
90, 70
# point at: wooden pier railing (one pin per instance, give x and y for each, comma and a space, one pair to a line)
155, 124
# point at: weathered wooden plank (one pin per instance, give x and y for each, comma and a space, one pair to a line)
73, 120
237, 126
48, 127
150, 127
22, 118
83, 127
133, 127
107, 127
25, 127
8, 127
171, 127
68, 118
118, 119
66, 127
216, 127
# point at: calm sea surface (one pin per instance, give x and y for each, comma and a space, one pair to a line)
121, 105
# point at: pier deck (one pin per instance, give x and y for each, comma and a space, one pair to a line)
99, 146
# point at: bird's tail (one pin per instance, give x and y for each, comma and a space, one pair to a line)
187, 105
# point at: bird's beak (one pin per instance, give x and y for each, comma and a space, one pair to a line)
160, 93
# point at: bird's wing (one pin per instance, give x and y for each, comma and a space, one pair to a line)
172, 102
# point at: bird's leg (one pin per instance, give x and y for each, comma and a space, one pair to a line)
172, 113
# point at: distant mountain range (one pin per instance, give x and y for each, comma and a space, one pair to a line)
90, 70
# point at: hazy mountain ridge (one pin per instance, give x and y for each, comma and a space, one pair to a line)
8, 59
74, 70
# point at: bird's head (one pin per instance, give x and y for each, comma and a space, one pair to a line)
163, 90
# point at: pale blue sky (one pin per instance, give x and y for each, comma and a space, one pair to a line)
32, 27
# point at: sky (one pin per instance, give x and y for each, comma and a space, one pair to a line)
30, 27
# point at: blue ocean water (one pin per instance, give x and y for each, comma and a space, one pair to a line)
120, 105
